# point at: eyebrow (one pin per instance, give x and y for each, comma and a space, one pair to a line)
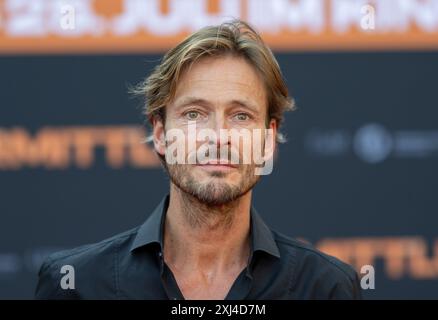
186, 101
245, 104
192, 100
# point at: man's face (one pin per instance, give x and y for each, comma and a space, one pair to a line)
216, 93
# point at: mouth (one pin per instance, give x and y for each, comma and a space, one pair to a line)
216, 165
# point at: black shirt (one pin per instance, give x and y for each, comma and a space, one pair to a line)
131, 266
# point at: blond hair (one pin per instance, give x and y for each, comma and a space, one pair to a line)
235, 37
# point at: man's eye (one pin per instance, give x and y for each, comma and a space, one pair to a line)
192, 115
241, 117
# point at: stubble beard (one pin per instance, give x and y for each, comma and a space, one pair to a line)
214, 193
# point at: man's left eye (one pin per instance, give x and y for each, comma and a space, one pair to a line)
242, 116
192, 115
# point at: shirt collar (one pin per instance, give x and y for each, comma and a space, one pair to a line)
152, 231
261, 236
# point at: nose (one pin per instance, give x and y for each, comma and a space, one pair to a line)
220, 127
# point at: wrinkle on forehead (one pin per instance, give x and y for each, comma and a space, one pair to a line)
222, 78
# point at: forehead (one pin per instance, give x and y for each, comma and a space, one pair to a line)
221, 80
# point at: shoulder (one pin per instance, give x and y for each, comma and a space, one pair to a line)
91, 263
89, 253
319, 274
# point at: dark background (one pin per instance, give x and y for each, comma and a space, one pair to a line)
321, 186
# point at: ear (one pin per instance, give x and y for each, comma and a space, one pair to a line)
158, 135
273, 125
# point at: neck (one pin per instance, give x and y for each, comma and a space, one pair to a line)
206, 237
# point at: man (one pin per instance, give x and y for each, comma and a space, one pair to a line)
205, 240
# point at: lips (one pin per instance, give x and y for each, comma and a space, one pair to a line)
223, 163
217, 164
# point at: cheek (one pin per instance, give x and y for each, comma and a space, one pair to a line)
251, 147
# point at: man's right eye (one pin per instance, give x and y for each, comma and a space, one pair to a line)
192, 115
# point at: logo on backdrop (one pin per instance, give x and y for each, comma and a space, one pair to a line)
68, 26
372, 143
